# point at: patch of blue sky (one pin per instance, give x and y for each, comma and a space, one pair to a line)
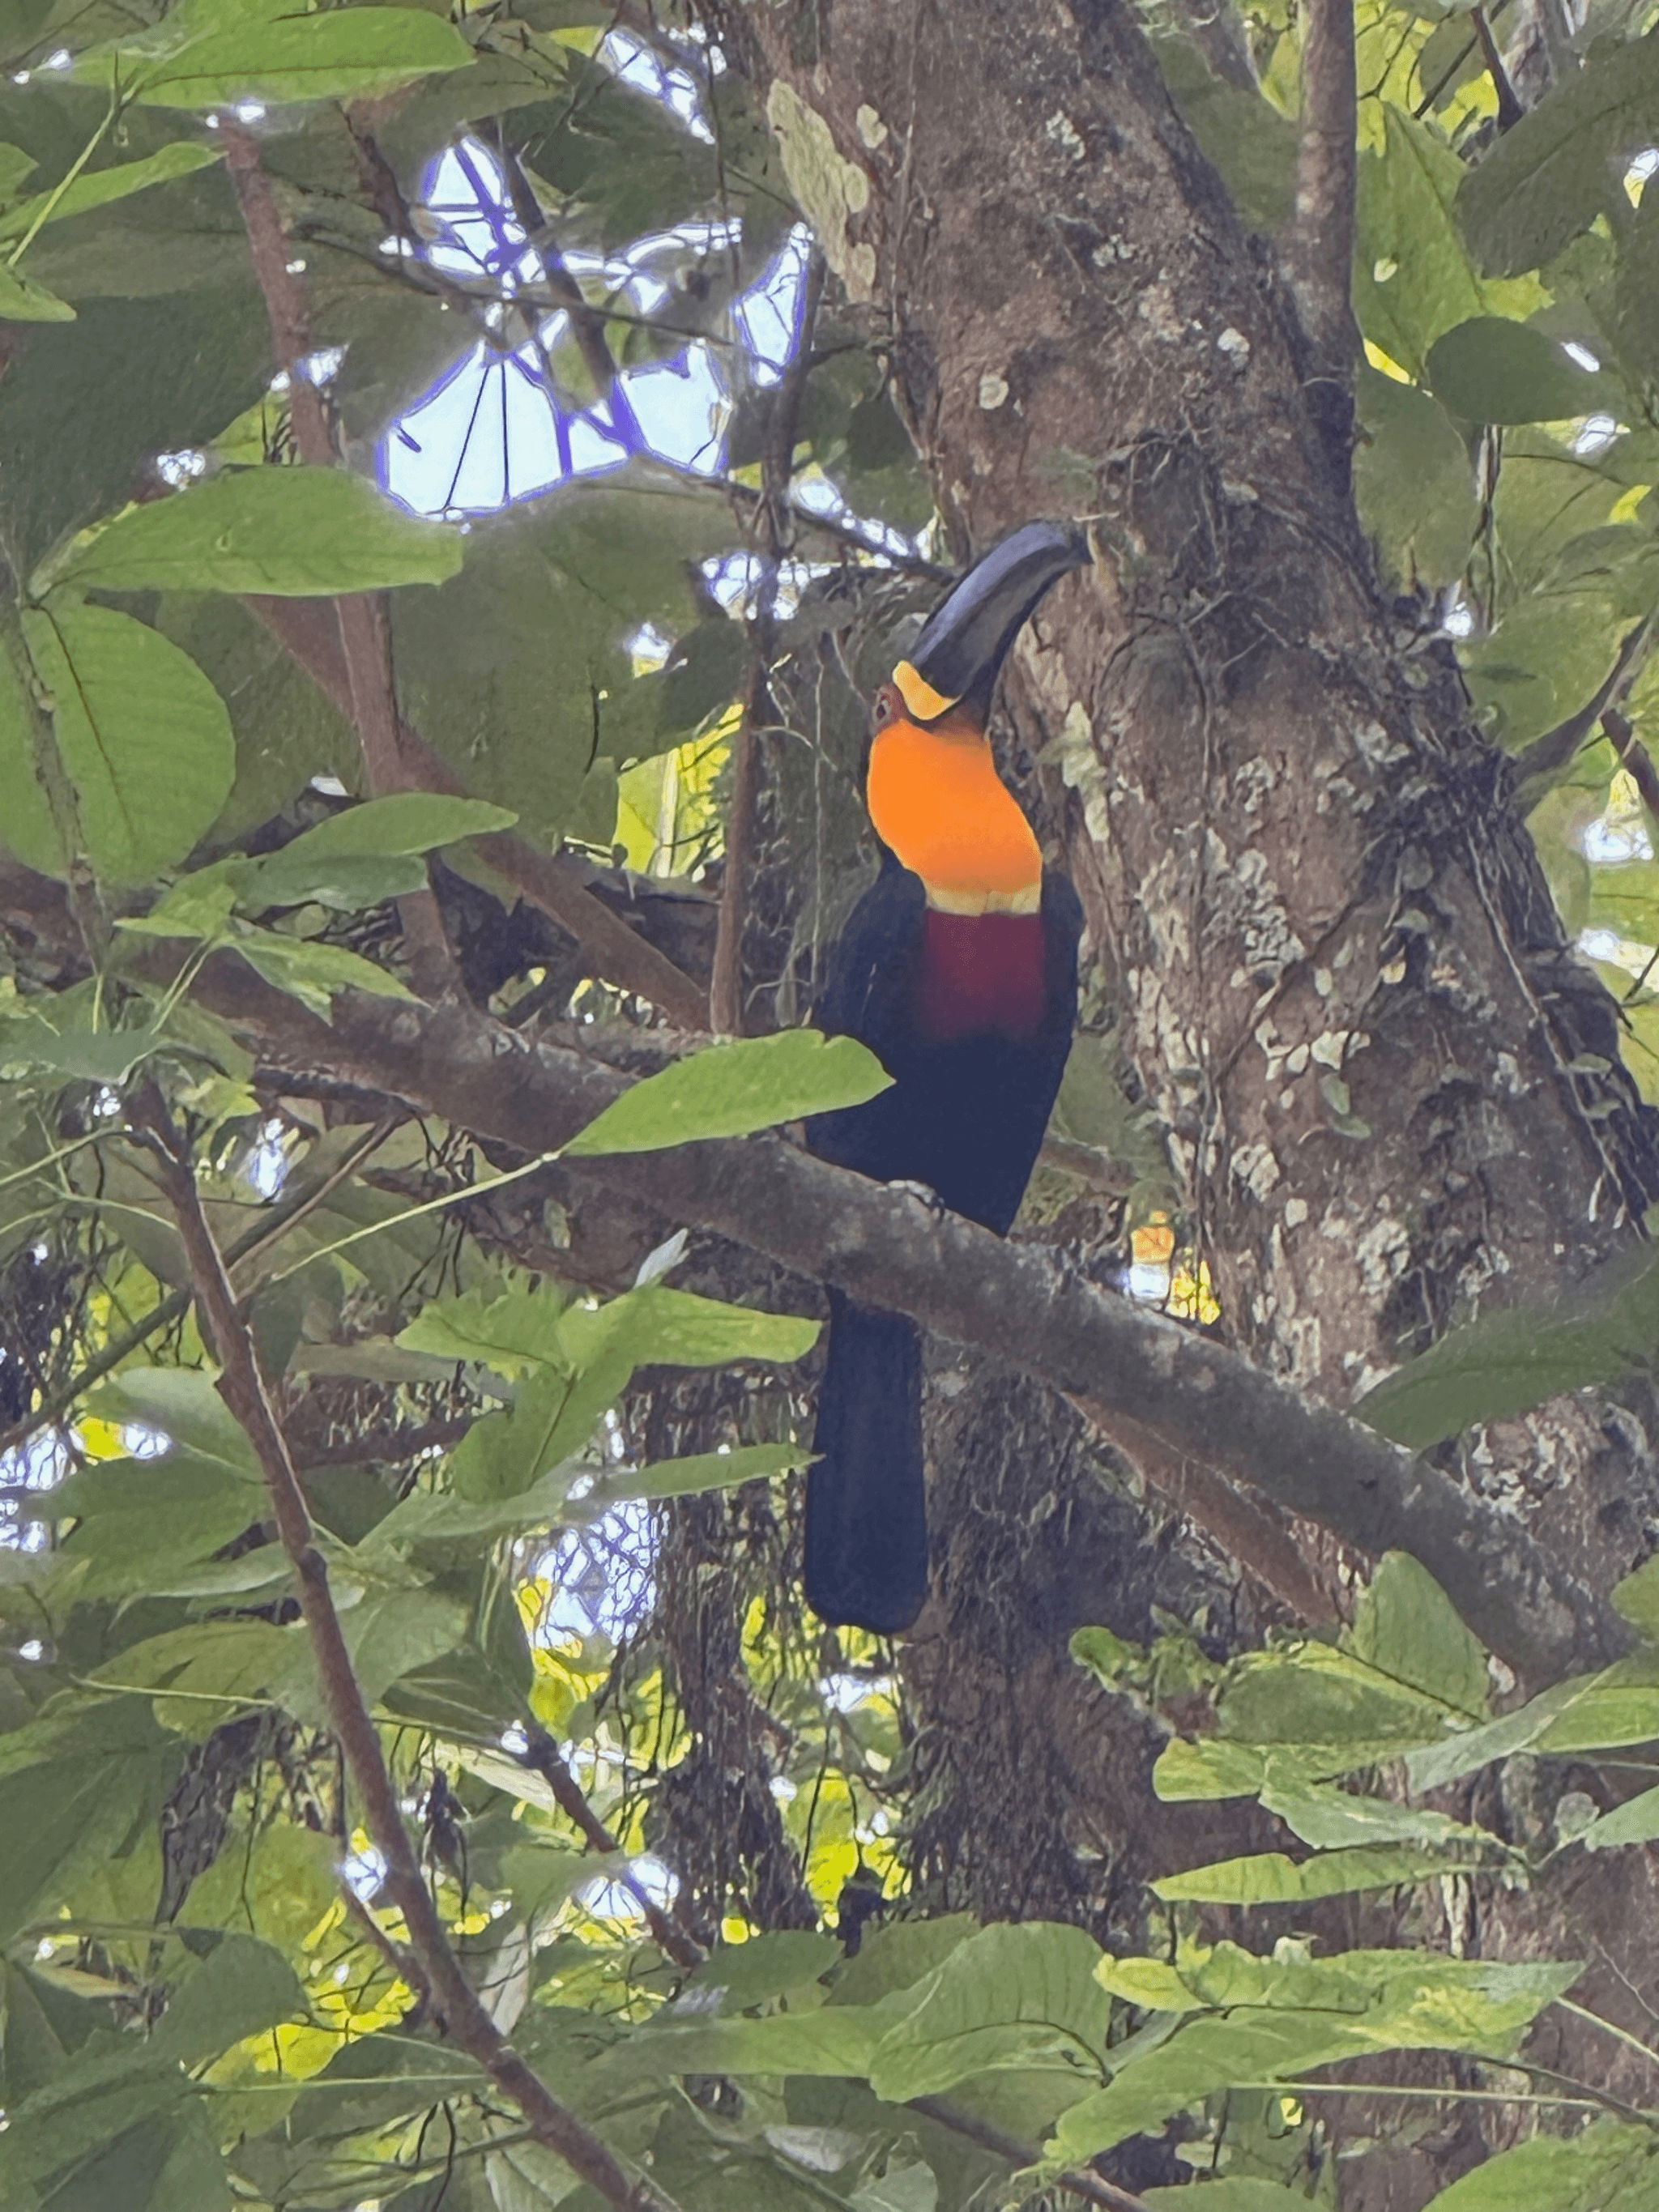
649, 70
494, 428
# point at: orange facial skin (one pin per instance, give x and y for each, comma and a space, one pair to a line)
938, 803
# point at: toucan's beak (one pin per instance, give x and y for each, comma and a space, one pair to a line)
963, 643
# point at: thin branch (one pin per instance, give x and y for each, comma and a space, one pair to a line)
552, 881
365, 636
1509, 110
272, 1224
725, 988
1635, 756
1316, 249
1017, 1303
1557, 746
1093, 2188
242, 1386
542, 1755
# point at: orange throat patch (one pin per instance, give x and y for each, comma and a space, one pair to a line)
938, 803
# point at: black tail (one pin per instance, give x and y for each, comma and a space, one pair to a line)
866, 1510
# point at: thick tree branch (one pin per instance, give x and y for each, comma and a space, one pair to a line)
1017, 1303
1316, 249
243, 1389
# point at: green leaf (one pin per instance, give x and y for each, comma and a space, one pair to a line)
657, 1326
342, 55
1412, 279
288, 532
23, 300
26, 816
1433, 1766
1635, 1821
1551, 175
1414, 481
515, 1333
1250, 142
70, 1795
241, 1988
142, 1520
407, 822
730, 1089
1508, 1362
313, 972
1492, 370
1007, 1998
1271, 1878
681, 1478
1407, 1628
765, 1966
1608, 2168
836, 2040
97, 188
144, 738
1279, 2016
182, 1403
103, 396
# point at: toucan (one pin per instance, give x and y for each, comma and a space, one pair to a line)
958, 968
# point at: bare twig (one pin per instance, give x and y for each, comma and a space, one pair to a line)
1316, 249
1093, 2188
1557, 746
542, 1755
455, 2002
551, 881
361, 618
726, 989
1509, 110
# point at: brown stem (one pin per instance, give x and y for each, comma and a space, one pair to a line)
551, 881
173, 1307
1509, 110
243, 1389
360, 616
1317, 247
1635, 757
542, 1755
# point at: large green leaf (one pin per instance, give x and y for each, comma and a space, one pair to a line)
144, 1519
1491, 370
1407, 1628
289, 532
342, 55
1271, 1878
143, 736
1508, 1362
1008, 1996
729, 1089
97, 188
27, 825
1549, 176
697, 1471
1414, 481
103, 396
1609, 2168
1412, 279
23, 300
